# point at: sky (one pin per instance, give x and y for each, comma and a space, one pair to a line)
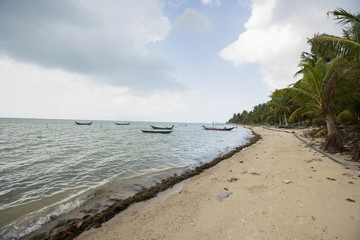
152, 60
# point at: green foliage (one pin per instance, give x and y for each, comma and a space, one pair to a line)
347, 46
257, 115
329, 87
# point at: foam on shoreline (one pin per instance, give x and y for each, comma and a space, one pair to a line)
74, 227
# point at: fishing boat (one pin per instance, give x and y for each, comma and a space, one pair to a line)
157, 131
218, 129
83, 123
163, 128
124, 123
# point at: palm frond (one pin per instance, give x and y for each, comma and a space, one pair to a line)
345, 17
308, 109
296, 114
298, 73
311, 74
301, 93
332, 46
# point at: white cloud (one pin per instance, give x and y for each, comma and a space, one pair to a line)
30, 91
106, 40
276, 34
192, 21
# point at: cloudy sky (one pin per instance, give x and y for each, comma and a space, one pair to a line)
152, 60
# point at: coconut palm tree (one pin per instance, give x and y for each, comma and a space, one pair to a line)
280, 104
318, 90
336, 80
347, 46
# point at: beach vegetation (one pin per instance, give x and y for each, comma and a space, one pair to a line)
348, 45
328, 91
281, 105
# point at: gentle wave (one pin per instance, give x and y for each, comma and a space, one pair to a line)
50, 167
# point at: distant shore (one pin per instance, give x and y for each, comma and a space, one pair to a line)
320, 200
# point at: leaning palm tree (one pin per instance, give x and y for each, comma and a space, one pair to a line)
318, 90
333, 47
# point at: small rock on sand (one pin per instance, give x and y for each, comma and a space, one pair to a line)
233, 179
224, 194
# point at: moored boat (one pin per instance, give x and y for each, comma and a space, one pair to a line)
124, 123
83, 123
218, 129
164, 128
157, 131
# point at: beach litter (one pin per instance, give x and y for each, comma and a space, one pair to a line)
251, 171
255, 173
331, 179
78, 225
315, 159
224, 195
233, 179
286, 181
350, 200
347, 174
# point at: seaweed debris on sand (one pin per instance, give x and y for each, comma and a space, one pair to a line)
75, 228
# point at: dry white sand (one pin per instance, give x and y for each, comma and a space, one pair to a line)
312, 206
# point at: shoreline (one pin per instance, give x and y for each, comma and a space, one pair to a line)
322, 201
77, 226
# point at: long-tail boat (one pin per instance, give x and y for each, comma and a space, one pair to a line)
218, 129
163, 128
157, 131
83, 123
125, 123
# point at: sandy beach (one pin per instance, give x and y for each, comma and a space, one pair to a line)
321, 201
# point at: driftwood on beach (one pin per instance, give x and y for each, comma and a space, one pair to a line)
95, 221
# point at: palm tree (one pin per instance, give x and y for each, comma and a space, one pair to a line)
317, 91
347, 46
281, 105
335, 50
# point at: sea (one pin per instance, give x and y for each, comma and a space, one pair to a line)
50, 168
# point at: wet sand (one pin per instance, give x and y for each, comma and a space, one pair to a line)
322, 201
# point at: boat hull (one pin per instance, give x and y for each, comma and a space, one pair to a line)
127, 123
157, 131
79, 123
218, 129
162, 128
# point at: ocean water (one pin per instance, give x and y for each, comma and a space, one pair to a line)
52, 167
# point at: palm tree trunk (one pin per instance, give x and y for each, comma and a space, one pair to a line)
279, 120
286, 122
333, 142
331, 129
